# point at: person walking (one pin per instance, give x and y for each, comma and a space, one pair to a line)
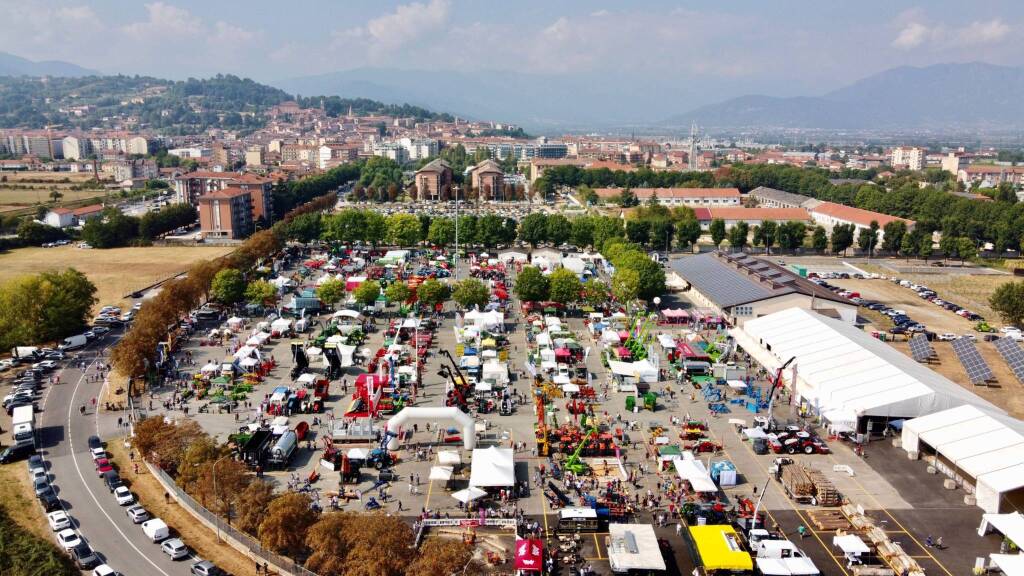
802, 531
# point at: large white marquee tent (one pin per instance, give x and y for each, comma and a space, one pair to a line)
981, 448
845, 374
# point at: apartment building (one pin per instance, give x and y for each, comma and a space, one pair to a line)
908, 157
488, 179
434, 181
226, 213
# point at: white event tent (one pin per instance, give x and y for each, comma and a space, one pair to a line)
843, 373
982, 448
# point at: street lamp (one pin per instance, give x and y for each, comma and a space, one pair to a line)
457, 189
214, 472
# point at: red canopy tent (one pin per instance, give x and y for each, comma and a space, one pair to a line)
529, 555
501, 294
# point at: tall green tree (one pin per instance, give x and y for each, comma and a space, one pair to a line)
625, 285
819, 239
432, 293
261, 293
228, 286
442, 232
966, 249
769, 229
687, 232
738, 235
717, 230
470, 293
531, 285
1008, 301
331, 291
558, 229
398, 292
596, 293
842, 237
375, 228
534, 229
564, 286
582, 234
367, 292
867, 239
892, 235
403, 229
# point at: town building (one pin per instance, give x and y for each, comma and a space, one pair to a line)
76, 148
908, 157
488, 179
254, 156
829, 214
679, 196
190, 186
434, 181
226, 213
60, 218
733, 215
991, 175
953, 163
740, 287
772, 198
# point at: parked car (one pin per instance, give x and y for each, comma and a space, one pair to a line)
174, 548
58, 520
49, 501
68, 538
123, 496
84, 556
206, 568
103, 466
137, 513
947, 337
94, 442
104, 570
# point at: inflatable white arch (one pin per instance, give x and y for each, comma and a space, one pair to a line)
434, 413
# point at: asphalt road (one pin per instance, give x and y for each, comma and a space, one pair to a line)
63, 441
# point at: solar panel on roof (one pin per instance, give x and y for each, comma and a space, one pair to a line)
975, 366
1013, 356
920, 349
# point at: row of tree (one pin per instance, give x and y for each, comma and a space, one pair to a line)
332, 543
44, 307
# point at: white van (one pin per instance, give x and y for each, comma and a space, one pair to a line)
156, 529
74, 342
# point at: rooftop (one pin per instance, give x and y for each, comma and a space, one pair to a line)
856, 215
777, 214
781, 196
229, 192
644, 193
732, 279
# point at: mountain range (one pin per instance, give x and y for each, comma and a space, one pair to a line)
942, 96
11, 65
969, 96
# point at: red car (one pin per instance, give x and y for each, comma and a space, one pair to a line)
103, 466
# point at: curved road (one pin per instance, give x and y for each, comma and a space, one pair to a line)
63, 433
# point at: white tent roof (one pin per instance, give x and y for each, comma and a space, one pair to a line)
694, 472
642, 370
1009, 525
468, 494
985, 446
442, 473
840, 367
574, 264
634, 547
666, 341
306, 378
492, 467
449, 458
1010, 564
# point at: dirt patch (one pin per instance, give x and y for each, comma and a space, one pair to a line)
1006, 392
116, 272
196, 535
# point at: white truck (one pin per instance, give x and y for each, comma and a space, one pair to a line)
23, 424
782, 558
74, 342
25, 352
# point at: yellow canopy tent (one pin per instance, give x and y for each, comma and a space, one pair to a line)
719, 548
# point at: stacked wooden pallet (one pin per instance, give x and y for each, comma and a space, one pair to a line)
828, 520
824, 491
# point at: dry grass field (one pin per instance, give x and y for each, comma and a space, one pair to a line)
20, 190
116, 272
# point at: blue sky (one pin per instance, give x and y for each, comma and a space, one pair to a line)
772, 47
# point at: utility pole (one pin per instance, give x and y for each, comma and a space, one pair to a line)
457, 190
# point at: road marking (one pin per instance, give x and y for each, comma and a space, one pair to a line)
597, 546
71, 446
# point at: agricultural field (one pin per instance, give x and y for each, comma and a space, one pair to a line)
22, 190
116, 272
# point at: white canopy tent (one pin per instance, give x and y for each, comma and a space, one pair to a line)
694, 472
492, 467
1009, 564
449, 458
984, 447
666, 341
642, 371
469, 494
248, 362
441, 473
838, 366
1009, 525
574, 264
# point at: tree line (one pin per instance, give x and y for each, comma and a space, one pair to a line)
331, 543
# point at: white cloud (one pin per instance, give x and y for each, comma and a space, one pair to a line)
227, 34
983, 32
407, 23
915, 34
164, 19
911, 36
